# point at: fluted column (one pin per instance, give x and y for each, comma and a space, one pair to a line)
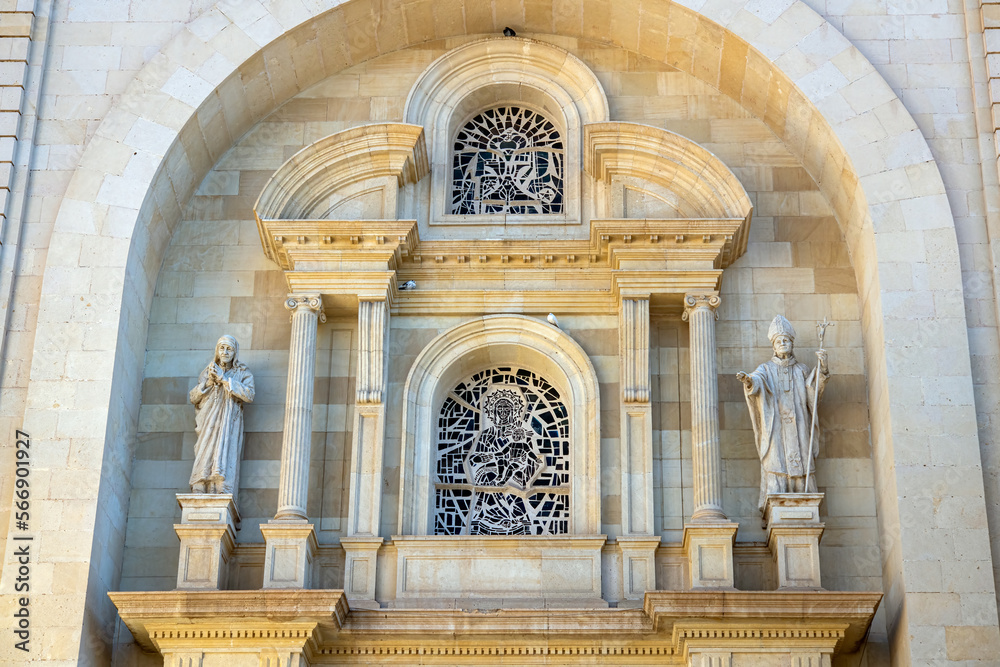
296, 442
700, 313
710, 536
289, 539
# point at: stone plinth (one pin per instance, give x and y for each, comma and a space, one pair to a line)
793, 534
360, 565
638, 564
207, 532
709, 549
499, 567
289, 551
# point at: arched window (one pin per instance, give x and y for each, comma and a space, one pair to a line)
503, 455
508, 160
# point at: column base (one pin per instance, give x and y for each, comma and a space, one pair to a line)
793, 534
638, 564
289, 552
207, 532
709, 549
360, 567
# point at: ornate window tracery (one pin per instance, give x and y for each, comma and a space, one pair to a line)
503, 459
508, 160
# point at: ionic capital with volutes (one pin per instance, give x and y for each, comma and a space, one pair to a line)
693, 302
306, 303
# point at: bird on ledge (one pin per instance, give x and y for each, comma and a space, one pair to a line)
509, 32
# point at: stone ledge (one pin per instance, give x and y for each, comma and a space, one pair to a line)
763, 613
152, 613
670, 625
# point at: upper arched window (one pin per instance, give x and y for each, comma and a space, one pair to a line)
508, 160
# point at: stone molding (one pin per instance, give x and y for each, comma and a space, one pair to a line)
473, 346
484, 73
317, 245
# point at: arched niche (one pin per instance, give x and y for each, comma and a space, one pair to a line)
479, 344
496, 71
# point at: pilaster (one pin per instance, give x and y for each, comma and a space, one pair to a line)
637, 543
636, 415
365, 497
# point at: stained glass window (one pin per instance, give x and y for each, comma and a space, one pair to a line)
502, 457
508, 160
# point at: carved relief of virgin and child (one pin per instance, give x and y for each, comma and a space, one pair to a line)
502, 463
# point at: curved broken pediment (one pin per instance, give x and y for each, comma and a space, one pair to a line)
340, 166
694, 181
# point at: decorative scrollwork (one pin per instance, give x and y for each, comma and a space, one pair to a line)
508, 160
503, 457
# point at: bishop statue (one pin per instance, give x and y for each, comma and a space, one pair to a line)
782, 395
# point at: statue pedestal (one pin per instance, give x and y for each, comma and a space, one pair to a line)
793, 533
289, 551
709, 549
207, 532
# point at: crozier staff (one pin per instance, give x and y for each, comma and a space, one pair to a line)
222, 389
782, 395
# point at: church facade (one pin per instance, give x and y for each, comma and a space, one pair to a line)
414, 332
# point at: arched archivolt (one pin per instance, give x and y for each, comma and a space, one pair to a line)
499, 340
168, 118
476, 75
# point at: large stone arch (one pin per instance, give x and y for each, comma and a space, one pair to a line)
474, 346
226, 70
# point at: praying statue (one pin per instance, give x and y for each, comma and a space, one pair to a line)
222, 389
782, 395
